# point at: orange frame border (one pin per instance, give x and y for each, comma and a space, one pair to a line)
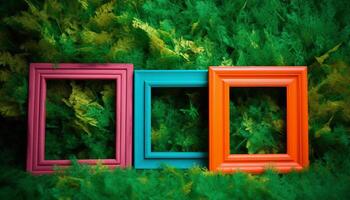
295, 81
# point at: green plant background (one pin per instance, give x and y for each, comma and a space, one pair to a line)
258, 120
80, 119
186, 34
179, 119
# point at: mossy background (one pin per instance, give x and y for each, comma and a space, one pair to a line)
80, 119
179, 119
258, 120
159, 34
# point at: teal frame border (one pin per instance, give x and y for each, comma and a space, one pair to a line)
144, 81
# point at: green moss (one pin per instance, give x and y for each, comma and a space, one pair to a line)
324, 180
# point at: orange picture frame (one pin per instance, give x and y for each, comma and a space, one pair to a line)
295, 80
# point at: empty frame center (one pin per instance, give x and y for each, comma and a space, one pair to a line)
80, 119
179, 119
257, 120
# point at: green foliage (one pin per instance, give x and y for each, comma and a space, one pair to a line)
13, 85
257, 120
329, 113
158, 34
80, 119
325, 180
179, 119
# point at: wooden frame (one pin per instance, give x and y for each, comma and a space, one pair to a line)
144, 158
40, 72
295, 81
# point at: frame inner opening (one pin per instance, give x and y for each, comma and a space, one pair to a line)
179, 119
258, 120
80, 119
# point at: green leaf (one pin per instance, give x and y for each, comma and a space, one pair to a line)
86, 108
8, 109
322, 58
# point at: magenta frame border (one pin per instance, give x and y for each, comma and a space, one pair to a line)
40, 72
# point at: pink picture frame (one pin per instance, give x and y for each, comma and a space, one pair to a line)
40, 72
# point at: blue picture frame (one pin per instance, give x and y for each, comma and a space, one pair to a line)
144, 80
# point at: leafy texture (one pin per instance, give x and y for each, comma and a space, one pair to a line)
159, 34
80, 119
86, 182
257, 120
179, 119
